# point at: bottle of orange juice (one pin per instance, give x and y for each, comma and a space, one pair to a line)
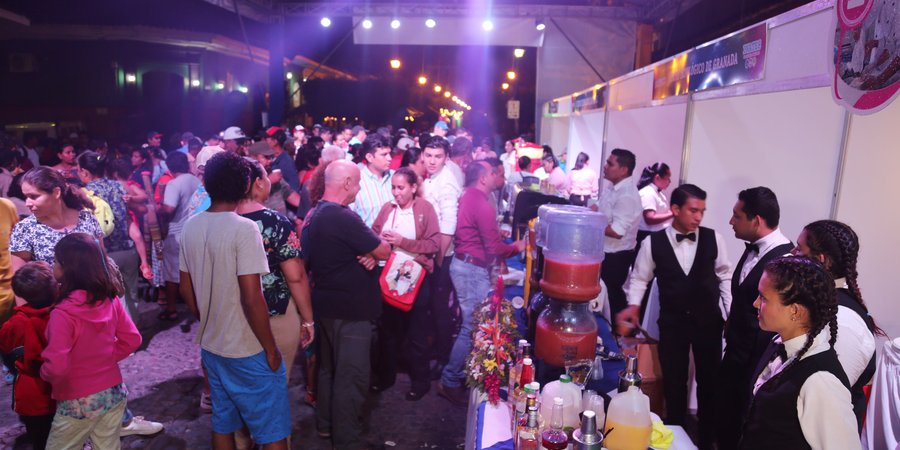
628, 421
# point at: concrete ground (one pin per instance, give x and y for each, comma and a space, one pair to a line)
164, 380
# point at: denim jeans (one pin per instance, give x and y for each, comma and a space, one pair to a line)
472, 284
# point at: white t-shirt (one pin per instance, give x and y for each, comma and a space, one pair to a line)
653, 199
402, 222
216, 248
178, 195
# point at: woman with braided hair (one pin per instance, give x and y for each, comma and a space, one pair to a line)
801, 398
836, 246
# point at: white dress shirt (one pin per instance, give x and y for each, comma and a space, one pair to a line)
654, 200
765, 243
621, 204
456, 171
685, 252
855, 344
823, 406
443, 191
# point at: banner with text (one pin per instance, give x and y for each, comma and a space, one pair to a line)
735, 59
589, 100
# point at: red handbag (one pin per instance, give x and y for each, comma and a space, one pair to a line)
400, 281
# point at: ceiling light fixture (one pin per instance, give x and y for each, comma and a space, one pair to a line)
430, 23
540, 25
367, 24
395, 63
395, 24
487, 25
519, 52
326, 22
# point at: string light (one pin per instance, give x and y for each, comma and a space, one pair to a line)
422, 80
395, 63
437, 88
504, 86
511, 75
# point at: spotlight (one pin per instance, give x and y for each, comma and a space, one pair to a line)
395, 24
504, 86
540, 25
511, 75
219, 85
130, 78
519, 52
430, 23
437, 88
395, 63
422, 79
195, 83
326, 22
468, 108
243, 89
487, 25
367, 24
289, 75
447, 94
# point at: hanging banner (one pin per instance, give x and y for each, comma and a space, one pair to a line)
737, 58
865, 54
671, 79
589, 100
553, 107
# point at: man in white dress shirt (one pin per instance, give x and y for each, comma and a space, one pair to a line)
622, 206
694, 276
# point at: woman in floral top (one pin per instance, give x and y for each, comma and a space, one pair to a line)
285, 287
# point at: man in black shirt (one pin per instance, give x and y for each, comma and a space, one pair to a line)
340, 251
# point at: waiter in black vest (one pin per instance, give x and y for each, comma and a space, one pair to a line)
754, 220
694, 275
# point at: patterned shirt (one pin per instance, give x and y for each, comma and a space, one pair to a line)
373, 193
33, 237
113, 193
281, 243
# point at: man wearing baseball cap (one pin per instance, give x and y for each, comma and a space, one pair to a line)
299, 133
283, 166
154, 138
440, 129
234, 139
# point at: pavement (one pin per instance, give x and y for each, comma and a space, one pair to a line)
164, 382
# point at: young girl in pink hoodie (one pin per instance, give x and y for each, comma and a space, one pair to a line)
89, 332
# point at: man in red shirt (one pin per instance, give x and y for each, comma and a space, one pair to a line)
478, 245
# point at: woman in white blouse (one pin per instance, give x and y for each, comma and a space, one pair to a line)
801, 397
656, 216
583, 181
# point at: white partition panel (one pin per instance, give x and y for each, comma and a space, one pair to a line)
653, 134
555, 133
585, 135
788, 141
867, 205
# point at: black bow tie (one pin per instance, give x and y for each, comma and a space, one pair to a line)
681, 237
751, 247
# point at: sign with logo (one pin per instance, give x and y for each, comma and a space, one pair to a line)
553, 107
737, 58
589, 100
512, 109
671, 78
865, 54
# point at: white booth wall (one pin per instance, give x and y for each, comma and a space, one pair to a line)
586, 135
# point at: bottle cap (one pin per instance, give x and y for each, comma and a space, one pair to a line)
557, 401
565, 378
528, 389
526, 361
535, 386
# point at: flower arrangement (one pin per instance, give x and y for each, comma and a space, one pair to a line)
493, 344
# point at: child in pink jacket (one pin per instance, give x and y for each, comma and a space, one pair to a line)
89, 332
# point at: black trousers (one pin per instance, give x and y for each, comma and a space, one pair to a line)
732, 399
614, 272
442, 311
414, 328
676, 341
38, 429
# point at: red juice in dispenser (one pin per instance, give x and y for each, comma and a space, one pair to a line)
565, 332
572, 281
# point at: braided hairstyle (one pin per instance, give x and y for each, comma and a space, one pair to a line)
650, 172
839, 244
803, 281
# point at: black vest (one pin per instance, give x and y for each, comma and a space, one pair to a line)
744, 341
773, 423
845, 299
691, 298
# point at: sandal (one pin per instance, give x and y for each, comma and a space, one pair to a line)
168, 316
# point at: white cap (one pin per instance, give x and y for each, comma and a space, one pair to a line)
206, 153
535, 386
231, 133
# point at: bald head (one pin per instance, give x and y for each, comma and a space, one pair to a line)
341, 182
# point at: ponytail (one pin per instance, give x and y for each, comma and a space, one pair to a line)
93, 162
650, 172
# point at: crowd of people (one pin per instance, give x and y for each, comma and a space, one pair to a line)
361, 252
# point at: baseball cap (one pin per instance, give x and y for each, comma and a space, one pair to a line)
442, 125
233, 133
317, 126
261, 148
402, 132
154, 134
405, 142
206, 153
272, 130
299, 127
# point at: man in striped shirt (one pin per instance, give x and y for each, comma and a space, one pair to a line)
375, 179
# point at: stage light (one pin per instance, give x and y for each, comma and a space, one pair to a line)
437, 88
504, 86
289, 75
487, 25
447, 94
195, 83
367, 24
519, 52
395, 24
130, 78
395, 63
511, 75
243, 89
326, 22
540, 25
430, 23
422, 79
219, 85
455, 98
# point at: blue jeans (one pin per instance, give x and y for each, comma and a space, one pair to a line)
472, 284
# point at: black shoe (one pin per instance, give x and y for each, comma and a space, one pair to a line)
376, 388
416, 394
435, 370
458, 396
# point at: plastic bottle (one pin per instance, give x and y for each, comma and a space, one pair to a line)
628, 423
553, 437
571, 395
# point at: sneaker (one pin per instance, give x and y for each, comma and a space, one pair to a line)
141, 426
205, 403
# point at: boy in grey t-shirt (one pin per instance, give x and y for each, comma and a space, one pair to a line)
221, 260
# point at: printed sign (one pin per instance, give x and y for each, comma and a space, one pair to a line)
512, 109
865, 54
553, 107
738, 58
589, 100
671, 78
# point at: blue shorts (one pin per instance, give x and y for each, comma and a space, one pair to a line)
246, 391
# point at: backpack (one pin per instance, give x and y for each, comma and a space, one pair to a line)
102, 212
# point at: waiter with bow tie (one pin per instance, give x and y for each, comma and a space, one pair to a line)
694, 276
754, 220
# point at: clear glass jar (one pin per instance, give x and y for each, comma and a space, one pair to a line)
565, 332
